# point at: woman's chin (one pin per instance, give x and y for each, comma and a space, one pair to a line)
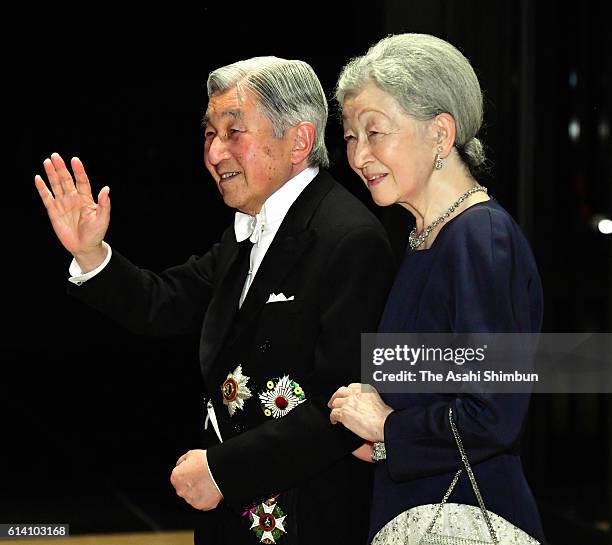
383, 200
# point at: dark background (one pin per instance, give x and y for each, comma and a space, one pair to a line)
93, 418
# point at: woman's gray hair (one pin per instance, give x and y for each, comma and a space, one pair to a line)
427, 76
288, 92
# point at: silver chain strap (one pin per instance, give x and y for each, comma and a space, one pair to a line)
444, 499
470, 473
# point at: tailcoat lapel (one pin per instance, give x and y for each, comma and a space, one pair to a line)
293, 238
223, 305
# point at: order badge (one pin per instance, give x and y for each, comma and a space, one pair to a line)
281, 396
267, 521
235, 391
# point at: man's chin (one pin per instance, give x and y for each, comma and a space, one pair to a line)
229, 198
232, 202
238, 201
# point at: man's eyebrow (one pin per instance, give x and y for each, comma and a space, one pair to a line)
236, 114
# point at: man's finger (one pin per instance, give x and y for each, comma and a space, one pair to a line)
173, 479
181, 459
45, 193
54, 180
63, 174
82, 181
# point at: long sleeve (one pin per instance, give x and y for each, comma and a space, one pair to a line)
170, 303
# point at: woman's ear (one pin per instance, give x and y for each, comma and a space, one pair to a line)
303, 141
445, 130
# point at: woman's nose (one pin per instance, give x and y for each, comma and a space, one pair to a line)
362, 154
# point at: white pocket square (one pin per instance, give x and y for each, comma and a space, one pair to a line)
273, 298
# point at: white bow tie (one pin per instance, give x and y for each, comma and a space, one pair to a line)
250, 227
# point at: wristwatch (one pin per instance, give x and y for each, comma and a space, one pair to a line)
378, 452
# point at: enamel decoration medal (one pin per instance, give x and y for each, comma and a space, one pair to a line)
281, 396
267, 521
235, 391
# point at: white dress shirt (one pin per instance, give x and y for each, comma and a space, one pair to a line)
264, 225
77, 276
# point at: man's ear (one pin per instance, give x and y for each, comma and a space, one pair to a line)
445, 130
303, 141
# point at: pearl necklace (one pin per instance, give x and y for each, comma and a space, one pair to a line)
416, 240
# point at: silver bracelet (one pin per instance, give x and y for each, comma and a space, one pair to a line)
378, 452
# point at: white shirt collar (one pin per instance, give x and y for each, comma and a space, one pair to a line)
274, 209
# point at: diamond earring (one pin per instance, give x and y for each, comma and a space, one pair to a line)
439, 163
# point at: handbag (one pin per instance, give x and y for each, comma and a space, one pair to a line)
452, 523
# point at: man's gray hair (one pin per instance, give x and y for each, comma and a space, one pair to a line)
427, 76
288, 92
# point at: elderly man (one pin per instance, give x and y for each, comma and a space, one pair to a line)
280, 303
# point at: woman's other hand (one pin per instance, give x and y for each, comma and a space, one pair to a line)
360, 408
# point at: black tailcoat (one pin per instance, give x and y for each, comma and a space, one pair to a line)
332, 256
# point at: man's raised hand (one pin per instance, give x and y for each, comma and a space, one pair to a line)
78, 221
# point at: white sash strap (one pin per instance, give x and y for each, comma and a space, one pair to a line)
213, 419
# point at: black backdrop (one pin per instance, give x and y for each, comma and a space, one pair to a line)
94, 418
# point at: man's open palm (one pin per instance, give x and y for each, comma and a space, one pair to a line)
79, 223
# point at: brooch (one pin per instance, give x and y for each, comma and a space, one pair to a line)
267, 521
235, 391
282, 395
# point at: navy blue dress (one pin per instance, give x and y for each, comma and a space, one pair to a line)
479, 276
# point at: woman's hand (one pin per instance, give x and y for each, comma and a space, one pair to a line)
78, 221
360, 409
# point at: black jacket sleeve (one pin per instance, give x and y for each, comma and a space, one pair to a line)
171, 303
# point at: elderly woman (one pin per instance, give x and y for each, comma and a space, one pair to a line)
411, 110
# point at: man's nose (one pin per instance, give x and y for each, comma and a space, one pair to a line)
217, 151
